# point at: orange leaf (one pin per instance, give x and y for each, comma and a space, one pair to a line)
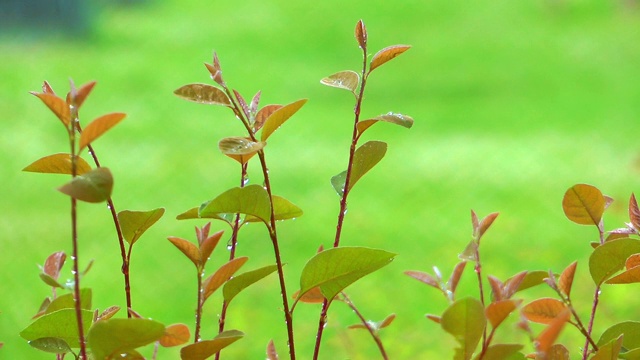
56, 105
174, 335
313, 296
543, 310
224, 273
549, 335
361, 34
485, 224
207, 246
98, 127
82, 93
632, 261
627, 277
566, 278
187, 248
497, 311
496, 287
435, 318
58, 164
583, 204
387, 54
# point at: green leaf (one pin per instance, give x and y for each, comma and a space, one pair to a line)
135, 223
630, 330
501, 352
610, 350
284, 210
203, 94
465, 320
364, 159
250, 200
50, 281
334, 269
238, 283
348, 80
387, 54
398, 119
97, 127
58, 164
66, 301
51, 345
610, 257
204, 349
224, 273
94, 186
533, 278
278, 117
61, 324
584, 204
110, 338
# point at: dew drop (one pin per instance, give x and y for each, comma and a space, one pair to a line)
245, 181
229, 247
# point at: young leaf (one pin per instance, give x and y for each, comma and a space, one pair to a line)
203, 94
82, 93
54, 263
110, 338
348, 80
610, 257
207, 246
224, 273
484, 225
263, 114
46, 88
398, 119
278, 117
543, 310
566, 279
204, 349
610, 350
313, 296
465, 320
57, 105
243, 104
51, 345
250, 200
174, 335
334, 269
97, 127
272, 354
135, 223
425, 278
497, 311
283, 209
549, 335
630, 330
502, 351
361, 34
187, 248
50, 281
634, 212
66, 301
240, 149
108, 313
470, 252
61, 324
387, 54
512, 284
94, 186
238, 283
583, 204
452, 284
558, 352
364, 159
435, 318
58, 164
632, 261
387, 321
627, 277
531, 279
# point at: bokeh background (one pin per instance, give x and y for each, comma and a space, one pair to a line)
514, 102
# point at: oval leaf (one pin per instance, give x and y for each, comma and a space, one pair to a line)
239, 148
497, 311
283, 209
187, 248
61, 324
66, 301
348, 80
51, 345
203, 94
58, 164
364, 159
250, 200
238, 283
263, 114
398, 119
631, 331
272, 354
610, 257
465, 320
174, 335
278, 117
135, 223
54, 263
583, 204
112, 337
361, 34
57, 105
224, 273
334, 269
204, 349
387, 54
94, 186
627, 277
543, 310
97, 127
610, 350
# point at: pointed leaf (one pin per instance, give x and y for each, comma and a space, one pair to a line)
112, 337
94, 186
627, 277
97, 127
424, 277
334, 269
253, 106
387, 321
189, 214
512, 284
204, 349
465, 320
610, 257
361, 34
66, 301
135, 223
207, 246
610, 350
272, 354
82, 93
630, 330
313, 296
54, 263
632, 261
50, 281
108, 313
224, 273
387, 54
238, 283
484, 224
203, 94
250, 200
57, 105
452, 284
566, 279
283, 208
348, 80
436, 319
243, 104
398, 119
240, 148
58, 164
263, 114
496, 288
46, 88
187, 248
61, 324
470, 252
634, 212
501, 352
531, 279
364, 159
543, 310
498, 311
549, 335
51, 345
278, 117
174, 335
583, 204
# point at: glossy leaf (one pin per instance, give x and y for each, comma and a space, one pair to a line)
54, 263
501, 352
398, 119
387, 54
203, 94
361, 34
206, 348
566, 279
512, 284
610, 257
187, 248
263, 114
610, 350
497, 312
543, 310
94, 186
57, 105
112, 337
243, 104
272, 354
58, 164
240, 149
46, 88
66, 301
250, 200
634, 212
61, 324
97, 127
224, 273
364, 159
278, 117
583, 204
238, 283
549, 335
465, 320
283, 208
630, 330
348, 80
174, 335
632, 261
334, 269
135, 223
51, 345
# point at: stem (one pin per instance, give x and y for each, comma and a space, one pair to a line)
373, 333
199, 307
596, 297
578, 324
485, 344
478, 271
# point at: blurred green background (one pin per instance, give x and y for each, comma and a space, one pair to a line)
513, 103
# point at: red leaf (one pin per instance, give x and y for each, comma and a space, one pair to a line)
272, 354
497, 311
496, 288
634, 212
387, 54
424, 277
361, 34
54, 263
452, 284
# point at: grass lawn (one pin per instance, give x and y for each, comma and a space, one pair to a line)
514, 102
